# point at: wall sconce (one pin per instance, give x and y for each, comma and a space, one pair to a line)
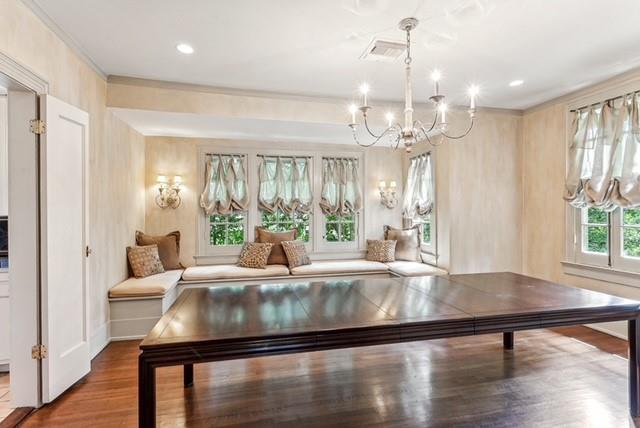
168, 194
388, 194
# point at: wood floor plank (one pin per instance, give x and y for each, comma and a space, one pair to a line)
571, 377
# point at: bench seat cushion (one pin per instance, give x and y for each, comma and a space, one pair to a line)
204, 273
405, 268
340, 267
153, 285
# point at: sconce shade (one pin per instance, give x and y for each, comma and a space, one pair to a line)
392, 184
162, 179
177, 179
382, 184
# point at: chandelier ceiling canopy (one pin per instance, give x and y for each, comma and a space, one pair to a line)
413, 131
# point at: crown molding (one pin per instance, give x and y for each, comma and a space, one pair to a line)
62, 35
587, 91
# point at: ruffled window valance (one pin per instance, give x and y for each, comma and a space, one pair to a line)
285, 184
225, 189
341, 192
604, 156
418, 195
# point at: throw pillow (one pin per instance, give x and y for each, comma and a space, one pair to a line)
168, 248
408, 245
277, 256
144, 260
381, 251
296, 253
255, 255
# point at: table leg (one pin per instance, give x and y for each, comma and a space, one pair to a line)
507, 339
634, 367
188, 375
146, 393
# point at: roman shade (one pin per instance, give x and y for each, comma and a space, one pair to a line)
604, 155
341, 192
225, 185
418, 195
285, 184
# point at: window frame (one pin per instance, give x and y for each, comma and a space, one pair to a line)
358, 245
317, 248
613, 267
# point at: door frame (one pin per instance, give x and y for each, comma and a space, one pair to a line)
25, 322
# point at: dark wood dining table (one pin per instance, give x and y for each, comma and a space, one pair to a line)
233, 322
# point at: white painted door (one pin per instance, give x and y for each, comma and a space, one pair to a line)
64, 237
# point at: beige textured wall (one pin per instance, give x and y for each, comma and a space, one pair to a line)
544, 159
115, 162
479, 194
179, 156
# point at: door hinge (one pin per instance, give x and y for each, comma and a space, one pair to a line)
88, 251
37, 126
38, 352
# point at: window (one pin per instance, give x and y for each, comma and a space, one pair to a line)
227, 229
631, 233
609, 239
340, 228
595, 231
280, 222
426, 229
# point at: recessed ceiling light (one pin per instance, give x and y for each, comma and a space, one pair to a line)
185, 48
515, 83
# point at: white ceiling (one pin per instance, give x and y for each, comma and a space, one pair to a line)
313, 47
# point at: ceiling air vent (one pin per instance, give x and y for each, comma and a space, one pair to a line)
384, 50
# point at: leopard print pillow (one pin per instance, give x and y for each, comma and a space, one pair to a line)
296, 253
381, 250
144, 260
255, 255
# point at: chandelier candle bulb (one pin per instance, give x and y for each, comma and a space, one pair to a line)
389, 117
353, 109
443, 113
364, 89
382, 185
435, 76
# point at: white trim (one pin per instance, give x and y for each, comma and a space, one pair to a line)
605, 330
66, 38
22, 75
99, 340
602, 273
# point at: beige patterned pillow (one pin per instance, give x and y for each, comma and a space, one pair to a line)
296, 253
144, 260
255, 255
381, 250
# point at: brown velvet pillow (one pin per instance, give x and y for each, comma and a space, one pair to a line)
144, 260
408, 245
277, 256
168, 248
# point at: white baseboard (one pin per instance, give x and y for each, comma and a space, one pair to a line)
615, 329
99, 339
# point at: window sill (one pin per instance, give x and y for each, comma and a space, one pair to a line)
602, 273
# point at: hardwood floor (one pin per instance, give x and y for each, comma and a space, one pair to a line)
5, 396
549, 379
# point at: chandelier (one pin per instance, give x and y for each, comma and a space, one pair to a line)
413, 131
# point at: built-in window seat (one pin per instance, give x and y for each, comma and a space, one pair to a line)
137, 304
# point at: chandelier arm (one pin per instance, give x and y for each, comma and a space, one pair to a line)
420, 127
366, 125
377, 139
458, 137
